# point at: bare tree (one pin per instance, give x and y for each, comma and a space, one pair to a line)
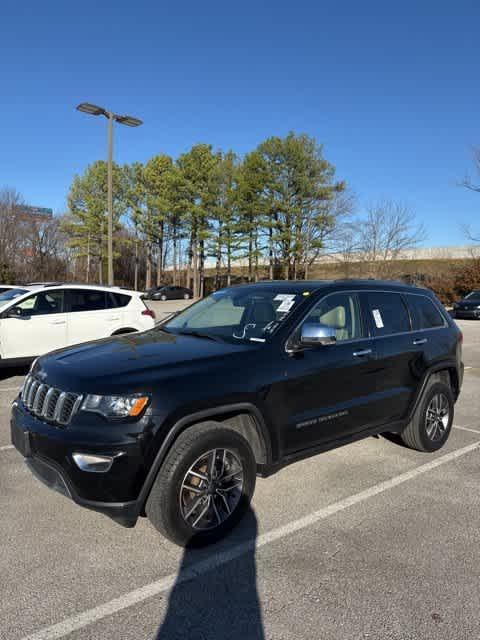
10, 201
388, 231
467, 182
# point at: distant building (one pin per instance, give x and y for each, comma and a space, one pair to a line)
41, 214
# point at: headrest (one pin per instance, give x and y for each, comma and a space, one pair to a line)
334, 318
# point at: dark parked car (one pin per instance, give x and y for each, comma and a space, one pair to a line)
469, 307
168, 292
176, 422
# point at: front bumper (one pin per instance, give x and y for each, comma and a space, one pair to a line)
48, 449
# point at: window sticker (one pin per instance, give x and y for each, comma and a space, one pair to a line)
377, 316
287, 300
284, 296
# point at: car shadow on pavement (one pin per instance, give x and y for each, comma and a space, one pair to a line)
11, 372
221, 602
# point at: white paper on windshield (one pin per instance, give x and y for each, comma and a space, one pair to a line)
377, 316
287, 301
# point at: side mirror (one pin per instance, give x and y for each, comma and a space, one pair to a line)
314, 334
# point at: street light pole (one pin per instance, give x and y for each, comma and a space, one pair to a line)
129, 121
110, 199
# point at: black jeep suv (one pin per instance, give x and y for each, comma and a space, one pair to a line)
175, 423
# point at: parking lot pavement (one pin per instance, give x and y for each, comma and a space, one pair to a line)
368, 541
167, 307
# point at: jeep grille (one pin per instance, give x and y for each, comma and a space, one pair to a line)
49, 403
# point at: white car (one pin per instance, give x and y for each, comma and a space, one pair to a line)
38, 319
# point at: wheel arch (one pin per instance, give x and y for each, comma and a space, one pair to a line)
244, 418
446, 372
124, 330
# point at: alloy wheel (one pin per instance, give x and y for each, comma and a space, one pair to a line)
438, 415
211, 489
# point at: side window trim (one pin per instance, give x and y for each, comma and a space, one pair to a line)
363, 299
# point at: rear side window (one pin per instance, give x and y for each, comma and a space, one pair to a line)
87, 300
425, 314
388, 313
118, 300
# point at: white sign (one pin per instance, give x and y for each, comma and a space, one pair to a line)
377, 316
287, 301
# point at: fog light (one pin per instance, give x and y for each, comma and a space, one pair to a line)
93, 463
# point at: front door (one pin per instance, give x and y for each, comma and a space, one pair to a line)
39, 327
328, 391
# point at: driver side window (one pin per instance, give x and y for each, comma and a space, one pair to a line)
342, 312
42, 303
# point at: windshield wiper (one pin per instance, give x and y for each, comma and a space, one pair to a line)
199, 334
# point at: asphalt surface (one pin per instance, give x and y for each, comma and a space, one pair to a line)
368, 541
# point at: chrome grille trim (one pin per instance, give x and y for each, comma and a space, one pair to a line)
48, 402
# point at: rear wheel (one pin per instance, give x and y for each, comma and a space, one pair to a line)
204, 486
186, 296
163, 297
432, 421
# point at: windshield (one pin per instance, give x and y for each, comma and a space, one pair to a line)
474, 295
237, 314
11, 294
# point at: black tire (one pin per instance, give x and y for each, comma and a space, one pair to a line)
416, 435
163, 506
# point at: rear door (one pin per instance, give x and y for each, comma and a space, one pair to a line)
399, 356
89, 315
40, 327
126, 312
431, 334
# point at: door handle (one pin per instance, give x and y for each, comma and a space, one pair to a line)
363, 352
114, 318
420, 341
59, 322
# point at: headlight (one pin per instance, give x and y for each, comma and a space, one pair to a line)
115, 406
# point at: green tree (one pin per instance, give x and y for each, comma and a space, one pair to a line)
299, 193
87, 203
198, 171
253, 220
224, 222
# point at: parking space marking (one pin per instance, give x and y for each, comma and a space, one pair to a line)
10, 388
6, 447
457, 426
85, 618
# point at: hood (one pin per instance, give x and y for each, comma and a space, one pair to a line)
132, 359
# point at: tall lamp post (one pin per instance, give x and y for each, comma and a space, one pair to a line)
129, 121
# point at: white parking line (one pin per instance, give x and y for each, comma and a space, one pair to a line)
141, 594
457, 426
10, 388
7, 447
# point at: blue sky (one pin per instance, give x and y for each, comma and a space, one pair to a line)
390, 89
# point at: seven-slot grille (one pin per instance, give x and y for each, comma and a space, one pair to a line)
48, 402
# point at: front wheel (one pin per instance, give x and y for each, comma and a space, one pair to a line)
204, 486
186, 296
432, 421
163, 297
